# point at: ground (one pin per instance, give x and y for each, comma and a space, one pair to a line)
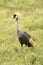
31, 21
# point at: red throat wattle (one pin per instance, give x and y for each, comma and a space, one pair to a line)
16, 18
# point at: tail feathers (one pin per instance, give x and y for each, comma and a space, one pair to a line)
32, 43
29, 45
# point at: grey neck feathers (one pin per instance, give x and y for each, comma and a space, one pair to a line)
17, 28
18, 31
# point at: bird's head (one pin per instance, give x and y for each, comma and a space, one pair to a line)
15, 17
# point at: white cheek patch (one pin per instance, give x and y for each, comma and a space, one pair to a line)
16, 16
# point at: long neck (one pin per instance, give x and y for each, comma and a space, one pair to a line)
17, 28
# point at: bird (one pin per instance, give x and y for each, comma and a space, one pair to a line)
23, 37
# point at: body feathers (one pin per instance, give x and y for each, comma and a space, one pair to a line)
24, 38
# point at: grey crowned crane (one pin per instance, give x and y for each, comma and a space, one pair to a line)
23, 36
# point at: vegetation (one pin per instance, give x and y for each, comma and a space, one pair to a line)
31, 20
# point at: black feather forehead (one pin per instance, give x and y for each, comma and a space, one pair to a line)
14, 15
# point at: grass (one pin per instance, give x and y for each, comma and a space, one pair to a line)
32, 15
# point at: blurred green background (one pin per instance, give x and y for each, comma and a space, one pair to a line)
30, 20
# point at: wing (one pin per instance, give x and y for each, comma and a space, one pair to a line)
23, 33
30, 40
25, 38
27, 35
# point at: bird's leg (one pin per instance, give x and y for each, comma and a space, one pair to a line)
21, 47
